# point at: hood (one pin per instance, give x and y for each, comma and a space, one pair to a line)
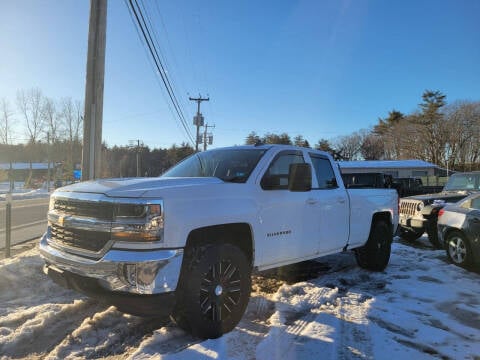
135, 187
448, 196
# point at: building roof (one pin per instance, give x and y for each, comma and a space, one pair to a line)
386, 164
26, 166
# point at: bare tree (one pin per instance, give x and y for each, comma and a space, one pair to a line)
6, 125
349, 147
72, 115
30, 104
52, 119
463, 123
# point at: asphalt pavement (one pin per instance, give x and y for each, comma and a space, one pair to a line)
29, 220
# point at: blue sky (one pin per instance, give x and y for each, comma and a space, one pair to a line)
321, 69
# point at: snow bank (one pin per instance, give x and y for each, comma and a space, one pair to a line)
21, 193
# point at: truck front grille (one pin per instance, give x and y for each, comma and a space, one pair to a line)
97, 210
82, 239
409, 207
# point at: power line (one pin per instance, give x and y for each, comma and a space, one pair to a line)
159, 65
164, 77
163, 55
150, 60
137, 12
172, 53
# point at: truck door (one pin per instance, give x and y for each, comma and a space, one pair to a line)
288, 230
331, 206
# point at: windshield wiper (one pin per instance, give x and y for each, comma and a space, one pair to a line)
234, 179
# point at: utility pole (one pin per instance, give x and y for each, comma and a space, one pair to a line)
198, 119
92, 125
207, 136
137, 150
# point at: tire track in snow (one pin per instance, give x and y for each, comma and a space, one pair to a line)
106, 333
42, 327
293, 322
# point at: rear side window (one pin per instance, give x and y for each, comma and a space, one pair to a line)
472, 203
276, 177
324, 172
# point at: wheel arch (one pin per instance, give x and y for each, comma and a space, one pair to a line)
238, 234
384, 216
451, 230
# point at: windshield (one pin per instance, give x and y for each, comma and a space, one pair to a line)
233, 165
463, 182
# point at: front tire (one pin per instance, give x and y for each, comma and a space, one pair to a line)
214, 290
375, 254
458, 249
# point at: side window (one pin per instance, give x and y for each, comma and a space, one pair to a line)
276, 177
475, 203
324, 172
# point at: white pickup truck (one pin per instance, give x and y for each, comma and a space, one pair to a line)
186, 243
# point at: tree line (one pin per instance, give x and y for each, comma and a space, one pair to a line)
436, 132
444, 134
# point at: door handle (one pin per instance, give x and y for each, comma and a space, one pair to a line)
341, 200
311, 201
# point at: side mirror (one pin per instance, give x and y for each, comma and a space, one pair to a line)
300, 177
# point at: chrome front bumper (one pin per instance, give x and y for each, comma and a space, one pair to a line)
135, 272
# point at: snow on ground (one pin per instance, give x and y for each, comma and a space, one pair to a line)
420, 307
21, 193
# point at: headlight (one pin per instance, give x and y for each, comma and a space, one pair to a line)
420, 206
138, 222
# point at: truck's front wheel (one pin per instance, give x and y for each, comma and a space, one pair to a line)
375, 254
213, 295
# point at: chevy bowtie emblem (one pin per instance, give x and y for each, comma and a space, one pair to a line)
61, 220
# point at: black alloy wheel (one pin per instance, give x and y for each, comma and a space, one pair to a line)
214, 293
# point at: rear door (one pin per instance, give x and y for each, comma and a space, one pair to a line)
331, 206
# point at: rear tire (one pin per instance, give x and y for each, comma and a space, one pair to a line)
458, 249
214, 290
375, 254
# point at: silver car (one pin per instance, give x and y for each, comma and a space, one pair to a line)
459, 231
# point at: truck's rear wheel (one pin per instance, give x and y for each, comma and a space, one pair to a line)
375, 254
213, 295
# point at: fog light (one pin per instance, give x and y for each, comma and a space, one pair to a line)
141, 276
129, 274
